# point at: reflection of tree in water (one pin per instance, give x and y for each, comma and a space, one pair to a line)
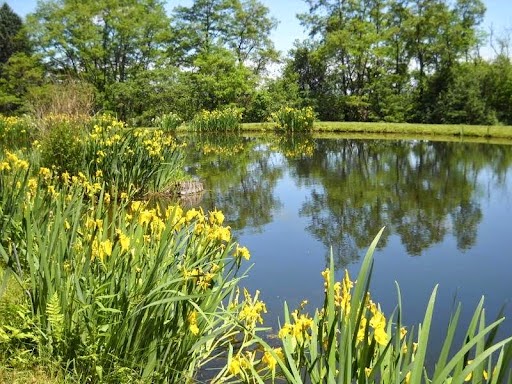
238, 182
419, 190
465, 224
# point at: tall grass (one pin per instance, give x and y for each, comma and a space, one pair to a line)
293, 119
349, 340
168, 122
119, 291
228, 119
67, 97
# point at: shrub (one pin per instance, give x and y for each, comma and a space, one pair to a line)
292, 119
217, 120
62, 143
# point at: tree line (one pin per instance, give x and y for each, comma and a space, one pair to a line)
363, 60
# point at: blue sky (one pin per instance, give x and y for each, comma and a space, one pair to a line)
498, 15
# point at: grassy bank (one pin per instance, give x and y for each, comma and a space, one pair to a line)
502, 132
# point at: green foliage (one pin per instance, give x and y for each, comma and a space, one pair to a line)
137, 161
21, 75
228, 119
241, 28
16, 132
358, 66
219, 81
12, 39
292, 119
63, 144
168, 122
349, 340
120, 44
497, 87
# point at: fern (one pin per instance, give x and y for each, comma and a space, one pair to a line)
55, 318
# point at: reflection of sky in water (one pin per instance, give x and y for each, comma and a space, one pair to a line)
288, 259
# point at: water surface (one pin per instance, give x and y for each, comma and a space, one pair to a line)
291, 200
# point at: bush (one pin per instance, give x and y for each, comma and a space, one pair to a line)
217, 120
292, 119
63, 143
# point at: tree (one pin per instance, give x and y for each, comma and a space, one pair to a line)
20, 75
498, 88
104, 41
387, 59
217, 80
12, 38
249, 35
241, 26
200, 27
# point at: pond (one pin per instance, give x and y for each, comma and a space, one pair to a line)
446, 207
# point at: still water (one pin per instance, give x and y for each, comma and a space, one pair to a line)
446, 207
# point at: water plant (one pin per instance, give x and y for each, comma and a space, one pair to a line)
117, 290
350, 340
293, 119
136, 160
217, 120
168, 122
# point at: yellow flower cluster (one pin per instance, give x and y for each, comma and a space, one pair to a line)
15, 132
251, 311
192, 323
372, 316
100, 249
201, 278
239, 363
10, 124
9, 121
217, 120
377, 322
242, 252
299, 330
13, 163
293, 119
269, 360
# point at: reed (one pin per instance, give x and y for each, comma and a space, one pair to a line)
168, 122
350, 340
293, 119
116, 290
228, 119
